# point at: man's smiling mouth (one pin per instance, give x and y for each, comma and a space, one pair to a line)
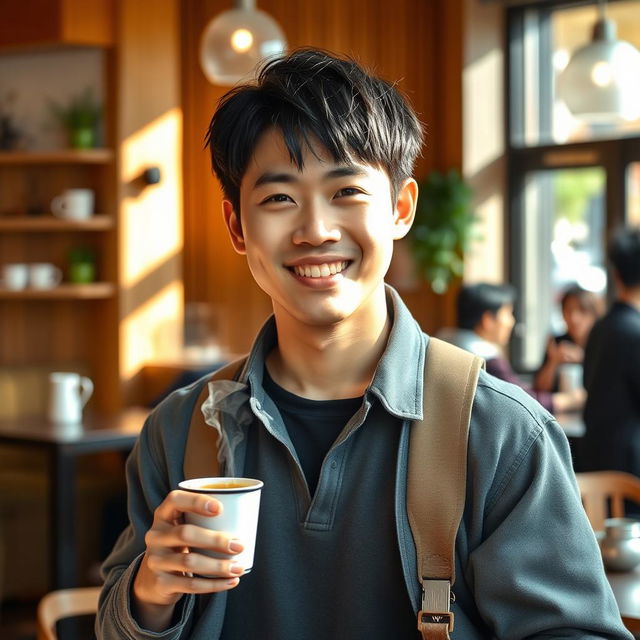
323, 270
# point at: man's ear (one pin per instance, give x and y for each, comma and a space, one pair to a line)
405, 208
234, 227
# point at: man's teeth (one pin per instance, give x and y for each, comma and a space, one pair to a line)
320, 270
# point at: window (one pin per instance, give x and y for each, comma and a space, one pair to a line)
547, 39
570, 183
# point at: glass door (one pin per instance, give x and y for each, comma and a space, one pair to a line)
560, 243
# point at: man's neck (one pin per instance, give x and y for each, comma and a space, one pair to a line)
329, 362
630, 296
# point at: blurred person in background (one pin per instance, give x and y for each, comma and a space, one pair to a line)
612, 369
485, 323
580, 309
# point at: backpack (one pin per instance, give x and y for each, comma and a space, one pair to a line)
436, 478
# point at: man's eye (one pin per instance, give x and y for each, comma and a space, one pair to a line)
278, 197
348, 191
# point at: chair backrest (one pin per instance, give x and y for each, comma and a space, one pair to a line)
603, 494
64, 603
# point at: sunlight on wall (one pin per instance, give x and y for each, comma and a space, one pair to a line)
485, 261
151, 224
483, 137
151, 238
483, 112
149, 332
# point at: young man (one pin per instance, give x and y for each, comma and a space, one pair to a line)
612, 369
485, 321
315, 160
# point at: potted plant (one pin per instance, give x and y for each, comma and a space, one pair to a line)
82, 265
443, 228
80, 117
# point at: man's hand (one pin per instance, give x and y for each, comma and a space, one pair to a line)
568, 352
169, 568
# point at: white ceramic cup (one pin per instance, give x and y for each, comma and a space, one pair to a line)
68, 393
570, 376
73, 204
15, 276
44, 275
240, 498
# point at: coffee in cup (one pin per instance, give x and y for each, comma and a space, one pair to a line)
240, 498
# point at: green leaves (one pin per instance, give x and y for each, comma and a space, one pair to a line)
443, 228
82, 111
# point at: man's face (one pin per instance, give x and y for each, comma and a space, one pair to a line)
578, 320
499, 326
318, 241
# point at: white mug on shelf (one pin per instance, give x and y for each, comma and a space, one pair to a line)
44, 275
15, 276
73, 204
68, 393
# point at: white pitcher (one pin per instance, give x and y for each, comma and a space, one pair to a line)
68, 393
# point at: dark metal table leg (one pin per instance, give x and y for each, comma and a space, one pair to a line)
62, 503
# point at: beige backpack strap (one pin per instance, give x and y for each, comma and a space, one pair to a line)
201, 452
437, 477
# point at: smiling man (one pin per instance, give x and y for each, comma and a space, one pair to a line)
316, 160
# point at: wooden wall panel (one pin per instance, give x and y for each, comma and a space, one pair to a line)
416, 42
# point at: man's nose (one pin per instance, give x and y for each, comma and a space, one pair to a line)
316, 225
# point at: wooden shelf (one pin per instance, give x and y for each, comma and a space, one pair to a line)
61, 156
93, 291
35, 224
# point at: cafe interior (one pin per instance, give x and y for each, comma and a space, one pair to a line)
118, 280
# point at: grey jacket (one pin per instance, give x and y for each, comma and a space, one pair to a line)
527, 561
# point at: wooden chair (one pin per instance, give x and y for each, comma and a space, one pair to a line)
603, 494
64, 603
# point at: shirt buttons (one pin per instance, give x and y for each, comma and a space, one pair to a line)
334, 465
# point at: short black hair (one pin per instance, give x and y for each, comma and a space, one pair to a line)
309, 94
624, 254
474, 300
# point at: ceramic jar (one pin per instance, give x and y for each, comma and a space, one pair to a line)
620, 545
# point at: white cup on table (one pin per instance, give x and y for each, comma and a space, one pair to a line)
570, 374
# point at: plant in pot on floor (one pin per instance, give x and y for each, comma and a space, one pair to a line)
443, 228
80, 117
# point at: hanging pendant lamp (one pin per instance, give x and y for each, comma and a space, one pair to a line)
235, 41
601, 83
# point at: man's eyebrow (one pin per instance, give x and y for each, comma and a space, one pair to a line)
345, 171
269, 177
339, 172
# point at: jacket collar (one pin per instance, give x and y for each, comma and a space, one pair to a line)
400, 395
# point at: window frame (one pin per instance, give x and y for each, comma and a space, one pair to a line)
612, 155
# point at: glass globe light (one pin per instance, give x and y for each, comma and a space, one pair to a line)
235, 41
601, 83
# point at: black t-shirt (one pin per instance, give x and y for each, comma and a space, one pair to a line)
313, 425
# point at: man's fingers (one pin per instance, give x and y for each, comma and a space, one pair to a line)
189, 535
194, 563
193, 584
178, 502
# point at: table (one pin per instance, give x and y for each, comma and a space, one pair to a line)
63, 444
626, 589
